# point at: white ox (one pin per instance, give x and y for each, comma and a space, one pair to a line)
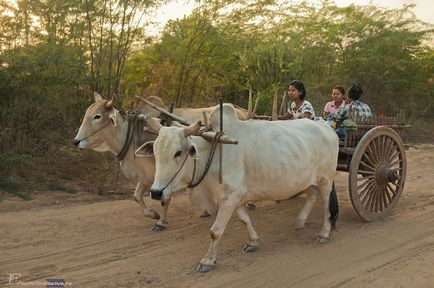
272, 161
104, 129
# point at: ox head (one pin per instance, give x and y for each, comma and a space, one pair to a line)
172, 150
98, 125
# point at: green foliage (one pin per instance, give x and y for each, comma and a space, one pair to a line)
54, 53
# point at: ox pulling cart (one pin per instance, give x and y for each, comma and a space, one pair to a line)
373, 154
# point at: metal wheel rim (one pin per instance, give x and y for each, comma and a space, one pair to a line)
379, 152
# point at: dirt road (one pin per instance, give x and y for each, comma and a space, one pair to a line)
110, 243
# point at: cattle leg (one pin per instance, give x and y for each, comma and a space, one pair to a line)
253, 242
138, 196
161, 224
324, 192
312, 197
224, 214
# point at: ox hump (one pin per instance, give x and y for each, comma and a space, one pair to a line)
229, 115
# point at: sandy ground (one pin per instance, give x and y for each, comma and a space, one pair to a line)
96, 243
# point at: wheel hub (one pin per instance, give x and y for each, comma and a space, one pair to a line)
384, 175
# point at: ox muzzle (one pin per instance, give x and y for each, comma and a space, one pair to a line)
156, 194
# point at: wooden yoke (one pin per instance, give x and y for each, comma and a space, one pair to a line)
274, 111
221, 146
173, 116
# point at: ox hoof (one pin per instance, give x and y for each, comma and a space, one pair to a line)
299, 225
249, 248
322, 240
204, 268
158, 228
204, 214
251, 206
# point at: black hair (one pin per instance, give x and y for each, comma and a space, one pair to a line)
355, 92
340, 88
300, 87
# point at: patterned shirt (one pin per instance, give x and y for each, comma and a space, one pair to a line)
342, 113
298, 113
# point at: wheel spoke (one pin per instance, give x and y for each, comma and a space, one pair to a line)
364, 177
377, 149
366, 156
396, 185
364, 184
387, 192
381, 198
363, 193
367, 165
369, 149
381, 145
366, 172
367, 193
384, 197
393, 156
378, 202
391, 188
395, 162
370, 201
390, 148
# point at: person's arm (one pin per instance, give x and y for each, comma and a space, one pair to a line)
287, 115
326, 110
307, 110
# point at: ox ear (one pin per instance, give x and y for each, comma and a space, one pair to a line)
97, 96
146, 150
192, 149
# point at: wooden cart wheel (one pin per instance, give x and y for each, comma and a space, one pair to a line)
377, 173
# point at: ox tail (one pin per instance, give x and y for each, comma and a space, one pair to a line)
333, 207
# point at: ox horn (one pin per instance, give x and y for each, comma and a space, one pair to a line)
153, 125
109, 105
193, 129
210, 135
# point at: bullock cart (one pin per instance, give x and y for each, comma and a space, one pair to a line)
372, 153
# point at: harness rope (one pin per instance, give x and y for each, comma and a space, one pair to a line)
207, 166
214, 143
132, 121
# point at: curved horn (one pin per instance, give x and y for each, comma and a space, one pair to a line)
192, 129
152, 124
109, 105
209, 136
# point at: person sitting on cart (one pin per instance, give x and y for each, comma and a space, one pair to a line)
338, 97
353, 102
299, 107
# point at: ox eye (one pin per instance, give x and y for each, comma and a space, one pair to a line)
97, 117
177, 154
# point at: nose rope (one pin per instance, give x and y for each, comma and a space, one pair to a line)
207, 166
94, 132
215, 141
176, 174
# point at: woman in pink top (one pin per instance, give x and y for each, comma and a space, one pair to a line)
338, 96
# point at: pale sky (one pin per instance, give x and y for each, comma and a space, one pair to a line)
424, 9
